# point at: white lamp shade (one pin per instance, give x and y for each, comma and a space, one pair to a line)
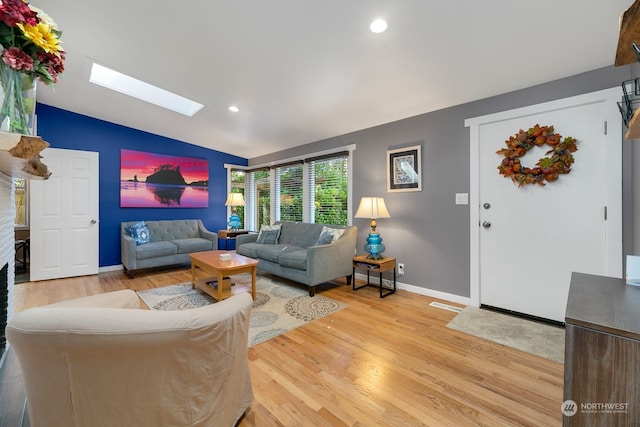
372, 207
234, 199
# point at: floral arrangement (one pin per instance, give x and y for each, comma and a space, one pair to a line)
31, 49
31, 41
557, 162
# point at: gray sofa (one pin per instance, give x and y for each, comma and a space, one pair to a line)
296, 254
170, 242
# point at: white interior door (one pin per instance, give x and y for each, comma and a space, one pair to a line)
64, 216
530, 239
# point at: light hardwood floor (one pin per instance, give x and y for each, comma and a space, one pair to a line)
378, 362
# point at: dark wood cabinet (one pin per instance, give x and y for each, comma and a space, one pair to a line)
602, 352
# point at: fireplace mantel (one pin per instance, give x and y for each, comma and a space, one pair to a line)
20, 156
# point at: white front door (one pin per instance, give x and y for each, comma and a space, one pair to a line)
530, 239
64, 216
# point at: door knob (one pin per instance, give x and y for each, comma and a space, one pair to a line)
486, 224
93, 221
487, 206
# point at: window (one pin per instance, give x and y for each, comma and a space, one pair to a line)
329, 190
22, 213
315, 190
257, 198
288, 188
237, 186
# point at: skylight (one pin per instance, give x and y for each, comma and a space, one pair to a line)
128, 85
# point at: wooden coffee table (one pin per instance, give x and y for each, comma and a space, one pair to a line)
209, 262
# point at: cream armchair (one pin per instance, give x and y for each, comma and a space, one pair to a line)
103, 361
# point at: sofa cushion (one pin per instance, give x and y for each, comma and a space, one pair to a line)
168, 230
156, 249
269, 234
195, 244
273, 252
299, 234
294, 259
248, 249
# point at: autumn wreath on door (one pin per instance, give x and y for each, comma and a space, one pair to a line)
558, 159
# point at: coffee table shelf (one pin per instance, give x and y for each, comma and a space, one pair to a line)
216, 269
229, 287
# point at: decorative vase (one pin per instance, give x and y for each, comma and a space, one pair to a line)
18, 94
374, 246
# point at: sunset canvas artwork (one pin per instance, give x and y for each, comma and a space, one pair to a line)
149, 180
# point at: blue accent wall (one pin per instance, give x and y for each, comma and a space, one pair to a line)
64, 129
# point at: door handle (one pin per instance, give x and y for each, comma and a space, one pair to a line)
486, 224
93, 222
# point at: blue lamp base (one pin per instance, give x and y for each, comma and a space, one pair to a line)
234, 222
374, 246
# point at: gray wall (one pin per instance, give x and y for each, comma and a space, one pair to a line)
427, 231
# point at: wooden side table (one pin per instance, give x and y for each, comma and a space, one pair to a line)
227, 235
376, 266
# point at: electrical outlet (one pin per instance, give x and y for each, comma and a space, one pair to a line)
401, 269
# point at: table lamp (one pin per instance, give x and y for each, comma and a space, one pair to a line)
234, 200
373, 207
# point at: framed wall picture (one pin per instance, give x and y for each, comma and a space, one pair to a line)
149, 180
404, 169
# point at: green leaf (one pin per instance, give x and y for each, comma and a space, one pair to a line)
545, 163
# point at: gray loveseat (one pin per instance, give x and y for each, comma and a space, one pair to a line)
169, 242
296, 253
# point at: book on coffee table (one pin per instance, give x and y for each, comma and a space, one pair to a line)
226, 283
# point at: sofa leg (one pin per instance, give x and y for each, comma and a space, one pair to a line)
312, 291
130, 274
349, 278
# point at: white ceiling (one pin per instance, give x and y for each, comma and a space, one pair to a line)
305, 70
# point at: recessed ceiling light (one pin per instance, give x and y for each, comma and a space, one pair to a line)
378, 26
128, 85
234, 108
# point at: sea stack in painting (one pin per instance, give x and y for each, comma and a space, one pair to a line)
167, 174
158, 180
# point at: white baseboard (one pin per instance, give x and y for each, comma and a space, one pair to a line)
420, 290
111, 268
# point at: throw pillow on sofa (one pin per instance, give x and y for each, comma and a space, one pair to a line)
269, 234
139, 232
130, 228
329, 235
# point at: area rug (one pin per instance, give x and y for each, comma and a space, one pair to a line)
278, 308
533, 337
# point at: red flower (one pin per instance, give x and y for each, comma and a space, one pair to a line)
53, 63
13, 12
15, 58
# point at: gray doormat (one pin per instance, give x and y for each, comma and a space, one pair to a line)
527, 335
